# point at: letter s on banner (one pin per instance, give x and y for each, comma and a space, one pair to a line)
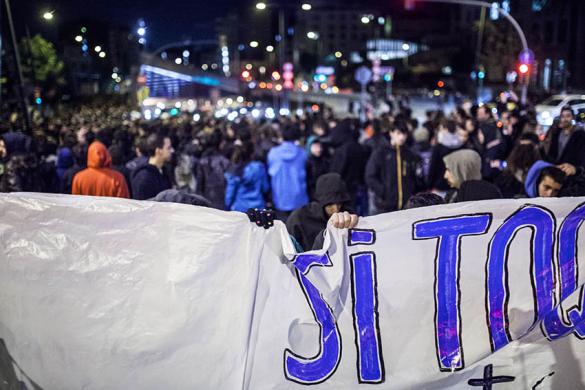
449, 232
320, 367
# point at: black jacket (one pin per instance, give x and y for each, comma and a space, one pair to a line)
316, 167
509, 185
307, 222
148, 182
350, 158
127, 175
472, 190
494, 148
574, 152
210, 177
392, 190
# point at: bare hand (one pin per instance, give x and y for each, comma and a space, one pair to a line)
344, 220
569, 169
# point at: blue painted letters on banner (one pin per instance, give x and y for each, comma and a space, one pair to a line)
449, 232
320, 367
542, 223
555, 325
364, 293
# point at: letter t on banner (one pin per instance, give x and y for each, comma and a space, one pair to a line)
447, 292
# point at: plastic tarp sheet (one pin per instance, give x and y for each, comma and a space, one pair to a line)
101, 293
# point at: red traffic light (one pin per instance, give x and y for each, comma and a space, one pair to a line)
440, 84
523, 68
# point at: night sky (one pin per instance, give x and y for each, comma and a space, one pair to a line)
167, 20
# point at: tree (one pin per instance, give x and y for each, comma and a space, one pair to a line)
500, 49
42, 67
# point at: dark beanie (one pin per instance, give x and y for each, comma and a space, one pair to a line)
291, 133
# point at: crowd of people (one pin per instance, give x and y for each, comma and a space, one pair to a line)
304, 168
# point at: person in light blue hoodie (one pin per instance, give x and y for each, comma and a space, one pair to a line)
246, 181
287, 167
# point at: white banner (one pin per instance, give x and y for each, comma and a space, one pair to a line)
103, 293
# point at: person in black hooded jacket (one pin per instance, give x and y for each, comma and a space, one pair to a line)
306, 223
349, 158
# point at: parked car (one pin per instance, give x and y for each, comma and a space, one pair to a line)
550, 109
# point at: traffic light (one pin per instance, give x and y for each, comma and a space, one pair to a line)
523, 69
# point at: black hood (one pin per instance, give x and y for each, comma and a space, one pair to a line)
16, 143
177, 196
341, 133
331, 189
144, 167
478, 190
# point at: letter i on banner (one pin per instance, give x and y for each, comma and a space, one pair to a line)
370, 362
449, 232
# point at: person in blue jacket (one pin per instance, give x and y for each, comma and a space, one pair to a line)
287, 168
246, 181
544, 180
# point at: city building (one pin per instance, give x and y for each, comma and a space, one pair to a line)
93, 51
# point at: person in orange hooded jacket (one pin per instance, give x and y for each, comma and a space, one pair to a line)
98, 179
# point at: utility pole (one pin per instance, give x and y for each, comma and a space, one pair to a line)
478, 49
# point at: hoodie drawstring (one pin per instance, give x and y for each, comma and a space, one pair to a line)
399, 176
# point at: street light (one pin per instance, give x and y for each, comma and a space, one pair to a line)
312, 35
306, 7
78, 38
261, 6
365, 19
269, 48
98, 49
254, 44
141, 31
48, 15
338, 54
102, 54
405, 47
